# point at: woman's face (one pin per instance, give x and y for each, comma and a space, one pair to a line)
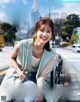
44, 34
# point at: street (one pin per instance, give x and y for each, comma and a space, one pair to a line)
4, 61
4, 57
71, 62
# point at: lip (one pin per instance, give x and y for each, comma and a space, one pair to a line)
43, 38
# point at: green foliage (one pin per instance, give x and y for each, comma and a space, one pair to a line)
73, 39
71, 22
2, 42
73, 19
8, 31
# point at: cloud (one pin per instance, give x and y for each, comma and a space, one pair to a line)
2, 16
5, 18
69, 9
6, 1
25, 2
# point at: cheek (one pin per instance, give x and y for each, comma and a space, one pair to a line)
37, 34
50, 36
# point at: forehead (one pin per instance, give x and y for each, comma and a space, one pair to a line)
45, 26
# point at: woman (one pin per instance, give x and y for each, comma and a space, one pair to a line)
31, 59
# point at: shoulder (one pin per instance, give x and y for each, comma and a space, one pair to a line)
24, 42
53, 51
56, 55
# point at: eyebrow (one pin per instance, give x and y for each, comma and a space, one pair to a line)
44, 28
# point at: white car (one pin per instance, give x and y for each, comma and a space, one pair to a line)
76, 47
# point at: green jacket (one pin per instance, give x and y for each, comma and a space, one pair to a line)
24, 59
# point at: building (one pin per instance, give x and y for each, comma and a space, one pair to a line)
22, 30
35, 16
77, 31
58, 19
57, 15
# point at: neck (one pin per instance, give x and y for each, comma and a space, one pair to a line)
38, 45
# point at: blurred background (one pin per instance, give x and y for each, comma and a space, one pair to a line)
18, 17
17, 21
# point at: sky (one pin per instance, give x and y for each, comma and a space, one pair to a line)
18, 11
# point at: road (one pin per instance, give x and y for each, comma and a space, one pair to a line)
4, 57
4, 60
71, 62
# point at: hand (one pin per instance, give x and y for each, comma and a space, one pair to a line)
39, 99
22, 76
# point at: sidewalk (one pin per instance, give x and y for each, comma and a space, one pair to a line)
4, 57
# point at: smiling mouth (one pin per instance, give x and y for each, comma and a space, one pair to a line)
43, 38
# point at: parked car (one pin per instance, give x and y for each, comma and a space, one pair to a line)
54, 45
76, 48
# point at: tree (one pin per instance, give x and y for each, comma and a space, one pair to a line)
71, 22
8, 31
73, 39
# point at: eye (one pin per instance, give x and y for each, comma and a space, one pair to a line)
48, 31
42, 30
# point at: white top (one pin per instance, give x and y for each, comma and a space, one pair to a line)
35, 63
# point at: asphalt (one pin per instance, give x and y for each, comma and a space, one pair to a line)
4, 64
4, 61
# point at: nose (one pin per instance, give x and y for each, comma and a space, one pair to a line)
44, 33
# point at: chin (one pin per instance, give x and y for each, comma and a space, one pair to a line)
44, 42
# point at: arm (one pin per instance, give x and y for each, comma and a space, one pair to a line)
42, 75
13, 62
40, 80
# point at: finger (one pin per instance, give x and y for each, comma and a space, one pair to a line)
24, 70
38, 100
22, 79
23, 76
